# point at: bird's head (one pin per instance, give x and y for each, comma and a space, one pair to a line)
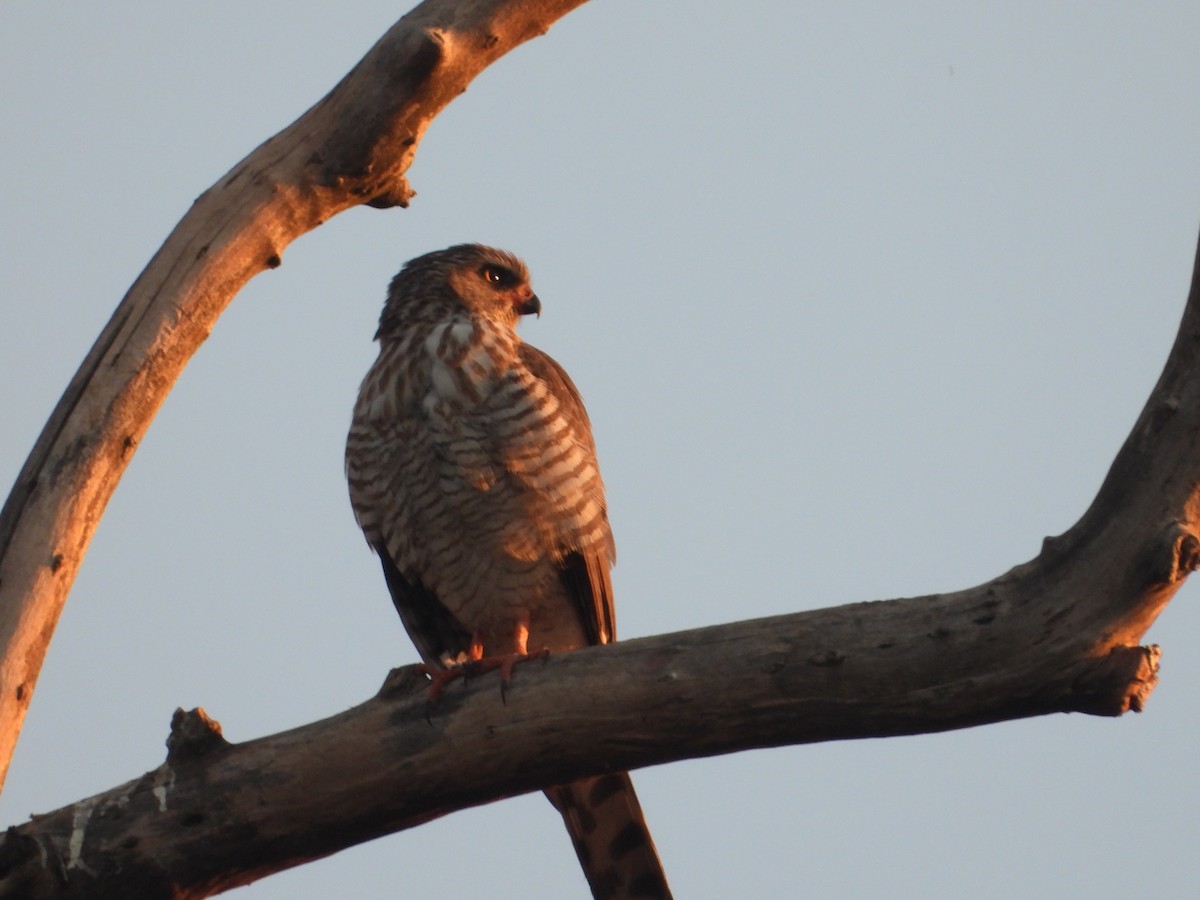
488, 282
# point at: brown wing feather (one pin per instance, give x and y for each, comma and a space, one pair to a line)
430, 625
585, 572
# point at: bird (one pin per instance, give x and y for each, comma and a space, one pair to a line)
473, 474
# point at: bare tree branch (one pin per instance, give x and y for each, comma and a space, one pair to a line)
352, 147
1056, 634
216, 815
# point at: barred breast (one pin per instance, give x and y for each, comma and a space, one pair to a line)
471, 460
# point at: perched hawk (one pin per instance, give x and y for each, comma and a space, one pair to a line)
473, 475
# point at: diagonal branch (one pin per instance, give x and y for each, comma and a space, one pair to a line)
352, 147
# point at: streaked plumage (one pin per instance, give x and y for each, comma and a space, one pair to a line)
473, 475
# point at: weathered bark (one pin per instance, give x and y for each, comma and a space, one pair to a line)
352, 147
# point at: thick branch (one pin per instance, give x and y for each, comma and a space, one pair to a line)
216, 815
354, 146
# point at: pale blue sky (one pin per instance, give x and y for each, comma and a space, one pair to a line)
862, 298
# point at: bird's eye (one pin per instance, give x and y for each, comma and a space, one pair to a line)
497, 277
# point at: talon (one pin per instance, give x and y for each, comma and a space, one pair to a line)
473, 666
505, 664
438, 679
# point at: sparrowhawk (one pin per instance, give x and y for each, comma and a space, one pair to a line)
473, 475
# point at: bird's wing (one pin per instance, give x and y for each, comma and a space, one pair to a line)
433, 629
567, 476
387, 468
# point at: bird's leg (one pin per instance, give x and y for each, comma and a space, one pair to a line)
473, 663
520, 654
441, 676
507, 661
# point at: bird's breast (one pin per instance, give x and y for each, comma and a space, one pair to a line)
465, 360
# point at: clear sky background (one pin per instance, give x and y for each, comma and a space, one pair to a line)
862, 298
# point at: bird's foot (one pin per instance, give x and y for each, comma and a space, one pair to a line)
505, 663
439, 679
442, 677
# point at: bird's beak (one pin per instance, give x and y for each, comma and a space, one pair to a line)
531, 306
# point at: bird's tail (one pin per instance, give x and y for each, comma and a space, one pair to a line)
611, 839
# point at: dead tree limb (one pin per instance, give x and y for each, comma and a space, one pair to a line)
352, 147
1056, 634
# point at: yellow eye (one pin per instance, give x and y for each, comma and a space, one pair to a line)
496, 276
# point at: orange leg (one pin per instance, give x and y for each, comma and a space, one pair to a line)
520, 654
477, 664
441, 676
439, 679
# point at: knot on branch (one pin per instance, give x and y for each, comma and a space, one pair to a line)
1117, 683
379, 112
403, 681
398, 193
408, 56
1172, 556
193, 734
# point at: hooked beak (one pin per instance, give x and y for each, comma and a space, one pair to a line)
530, 306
